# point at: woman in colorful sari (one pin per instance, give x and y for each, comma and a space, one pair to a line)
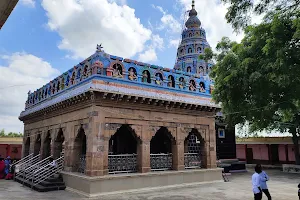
7, 164
2, 167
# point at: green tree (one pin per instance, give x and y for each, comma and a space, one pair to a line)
258, 80
239, 12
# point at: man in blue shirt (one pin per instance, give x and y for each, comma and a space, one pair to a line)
264, 178
256, 181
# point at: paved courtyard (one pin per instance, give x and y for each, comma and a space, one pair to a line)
282, 186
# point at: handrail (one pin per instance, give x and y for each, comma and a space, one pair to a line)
39, 162
33, 158
25, 158
47, 171
28, 172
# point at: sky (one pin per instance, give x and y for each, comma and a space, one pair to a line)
44, 38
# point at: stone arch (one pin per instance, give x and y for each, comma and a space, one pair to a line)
161, 146
189, 69
199, 49
190, 34
190, 50
58, 144
146, 77
37, 145
171, 81
123, 141
80, 149
47, 145
116, 69
194, 150
27, 147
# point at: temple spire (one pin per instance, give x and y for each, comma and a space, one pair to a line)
193, 4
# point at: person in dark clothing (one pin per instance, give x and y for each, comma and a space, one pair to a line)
299, 191
256, 181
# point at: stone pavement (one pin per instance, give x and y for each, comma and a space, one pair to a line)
282, 187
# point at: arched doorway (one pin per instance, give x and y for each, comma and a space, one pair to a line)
80, 151
37, 145
27, 147
193, 150
161, 150
58, 144
122, 156
47, 146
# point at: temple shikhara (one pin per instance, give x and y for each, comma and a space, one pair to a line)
118, 124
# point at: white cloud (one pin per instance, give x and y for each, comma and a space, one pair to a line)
148, 55
23, 72
29, 3
212, 16
168, 22
121, 2
157, 42
174, 43
83, 24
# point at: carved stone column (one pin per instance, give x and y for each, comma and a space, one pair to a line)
69, 161
143, 151
97, 146
178, 149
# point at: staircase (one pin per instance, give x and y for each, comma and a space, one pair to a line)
42, 176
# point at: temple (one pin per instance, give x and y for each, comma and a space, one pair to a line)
152, 126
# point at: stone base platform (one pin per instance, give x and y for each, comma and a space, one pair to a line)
291, 168
103, 185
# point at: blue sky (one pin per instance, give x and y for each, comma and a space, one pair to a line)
43, 38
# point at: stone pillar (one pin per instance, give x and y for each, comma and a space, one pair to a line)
97, 146
43, 136
178, 147
211, 149
32, 142
69, 161
143, 149
143, 159
178, 155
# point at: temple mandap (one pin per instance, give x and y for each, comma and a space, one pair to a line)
122, 124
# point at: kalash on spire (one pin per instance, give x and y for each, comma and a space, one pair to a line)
193, 43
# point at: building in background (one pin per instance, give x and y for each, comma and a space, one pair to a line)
6, 7
11, 146
266, 150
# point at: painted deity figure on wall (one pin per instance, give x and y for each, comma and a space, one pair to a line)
158, 80
170, 82
62, 85
67, 81
202, 87
132, 76
192, 86
72, 81
189, 70
89, 71
116, 73
181, 83
145, 77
